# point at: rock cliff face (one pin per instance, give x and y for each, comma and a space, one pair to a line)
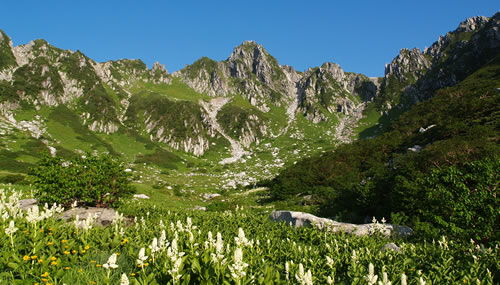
414, 75
252, 72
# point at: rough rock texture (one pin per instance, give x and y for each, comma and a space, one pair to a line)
25, 204
390, 246
413, 75
408, 65
104, 216
251, 71
299, 219
141, 196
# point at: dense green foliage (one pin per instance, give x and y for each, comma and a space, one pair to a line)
383, 176
234, 120
91, 180
203, 248
7, 58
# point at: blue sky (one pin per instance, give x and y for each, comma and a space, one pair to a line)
361, 36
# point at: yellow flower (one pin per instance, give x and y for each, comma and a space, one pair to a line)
26, 258
40, 260
74, 251
64, 241
25, 232
83, 251
67, 268
66, 246
92, 261
133, 274
124, 241
53, 263
50, 234
146, 264
50, 243
34, 257
51, 229
45, 274
53, 258
117, 253
98, 265
41, 230
66, 252
44, 280
139, 266
87, 247
92, 282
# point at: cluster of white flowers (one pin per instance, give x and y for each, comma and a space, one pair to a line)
142, 257
111, 264
87, 223
385, 279
443, 243
238, 267
10, 232
241, 240
9, 207
371, 278
304, 278
124, 280
218, 256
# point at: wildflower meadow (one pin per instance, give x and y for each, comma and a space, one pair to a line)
154, 245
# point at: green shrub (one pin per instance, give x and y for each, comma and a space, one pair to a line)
92, 180
462, 201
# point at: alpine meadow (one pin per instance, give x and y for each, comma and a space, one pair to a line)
246, 171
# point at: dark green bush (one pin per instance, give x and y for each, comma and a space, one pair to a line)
92, 180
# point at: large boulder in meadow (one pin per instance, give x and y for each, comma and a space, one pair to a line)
300, 219
26, 204
103, 216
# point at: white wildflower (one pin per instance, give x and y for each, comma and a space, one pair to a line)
142, 257
329, 262
174, 272
124, 280
241, 240
404, 279
11, 229
304, 278
421, 281
371, 278
111, 262
385, 279
218, 256
238, 267
287, 270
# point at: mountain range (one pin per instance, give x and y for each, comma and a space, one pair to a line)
237, 121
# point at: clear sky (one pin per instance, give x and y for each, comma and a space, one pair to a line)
361, 36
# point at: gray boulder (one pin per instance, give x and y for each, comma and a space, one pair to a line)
141, 196
208, 196
300, 219
26, 204
390, 246
104, 216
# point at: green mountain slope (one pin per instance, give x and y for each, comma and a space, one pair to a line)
455, 133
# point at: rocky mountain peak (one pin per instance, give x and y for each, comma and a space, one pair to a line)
472, 24
159, 67
409, 63
333, 69
251, 58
